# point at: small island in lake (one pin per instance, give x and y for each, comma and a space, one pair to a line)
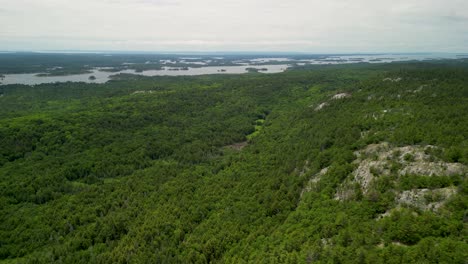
251, 69
92, 78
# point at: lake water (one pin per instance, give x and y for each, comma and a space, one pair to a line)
285, 62
102, 77
347, 59
383, 58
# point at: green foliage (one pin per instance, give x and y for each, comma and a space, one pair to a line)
408, 182
96, 173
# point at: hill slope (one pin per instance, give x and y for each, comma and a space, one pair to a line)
350, 164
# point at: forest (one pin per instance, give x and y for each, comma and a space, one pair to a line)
351, 163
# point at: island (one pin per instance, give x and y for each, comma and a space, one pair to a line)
252, 70
66, 72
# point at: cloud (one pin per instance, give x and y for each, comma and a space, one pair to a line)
5, 11
296, 25
455, 18
144, 2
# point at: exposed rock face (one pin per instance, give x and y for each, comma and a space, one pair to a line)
341, 96
433, 168
384, 160
238, 146
411, 160
426, 199
321, 106
335, 97
304, 170
313, 180
397, 79
143, 92
318, 176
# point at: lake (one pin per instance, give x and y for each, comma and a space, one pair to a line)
102, 76
272, 64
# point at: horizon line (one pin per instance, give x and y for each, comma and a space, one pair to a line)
175, 52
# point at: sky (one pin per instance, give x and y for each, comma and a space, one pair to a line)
315, 26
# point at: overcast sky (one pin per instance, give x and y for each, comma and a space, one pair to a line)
318, 26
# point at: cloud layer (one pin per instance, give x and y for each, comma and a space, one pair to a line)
235, 25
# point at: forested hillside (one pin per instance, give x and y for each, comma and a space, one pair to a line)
321, 164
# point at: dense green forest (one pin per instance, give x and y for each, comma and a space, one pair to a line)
321, 164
